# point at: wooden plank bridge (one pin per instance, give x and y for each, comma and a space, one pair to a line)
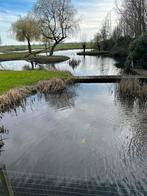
107, 78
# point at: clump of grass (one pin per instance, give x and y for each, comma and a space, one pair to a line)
132, 88
74, 62
51, 86
15, 97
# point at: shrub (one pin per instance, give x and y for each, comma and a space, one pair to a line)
138, 51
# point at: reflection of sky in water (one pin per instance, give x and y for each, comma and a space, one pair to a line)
13, 65
89, 65
83, 132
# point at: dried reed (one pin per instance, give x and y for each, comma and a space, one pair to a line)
132, 88
15, 97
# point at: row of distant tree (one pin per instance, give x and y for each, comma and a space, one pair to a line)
132, 23
130, 34
50, 21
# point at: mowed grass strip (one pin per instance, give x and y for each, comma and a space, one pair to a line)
14, 79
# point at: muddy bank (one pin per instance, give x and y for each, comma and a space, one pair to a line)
14, 97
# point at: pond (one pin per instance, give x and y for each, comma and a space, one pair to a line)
86, 132
88, 137
88, 65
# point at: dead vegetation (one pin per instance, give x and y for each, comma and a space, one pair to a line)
15, 97
74, 62
132, 88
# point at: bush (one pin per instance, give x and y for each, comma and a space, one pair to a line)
138, 48
138, 51
120, 48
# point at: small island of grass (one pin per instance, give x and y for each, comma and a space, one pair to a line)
32, 57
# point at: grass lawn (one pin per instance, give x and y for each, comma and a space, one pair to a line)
62, 46
14, 79
94, 53
37, 58
13, 56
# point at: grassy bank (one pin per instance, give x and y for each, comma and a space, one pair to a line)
37, 58
94, 53
15, 79
48, 59
13, 56
62, 46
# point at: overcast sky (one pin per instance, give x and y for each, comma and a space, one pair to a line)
91, 13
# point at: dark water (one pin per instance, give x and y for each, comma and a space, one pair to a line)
89, 65
86, 132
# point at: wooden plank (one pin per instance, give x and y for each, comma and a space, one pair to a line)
5, 182
105, 78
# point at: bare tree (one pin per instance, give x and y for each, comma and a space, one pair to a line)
96, 41
133, 17
26, 29
57, 20
105, 31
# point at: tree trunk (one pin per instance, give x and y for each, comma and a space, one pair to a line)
53, 48
29, 46
32, 63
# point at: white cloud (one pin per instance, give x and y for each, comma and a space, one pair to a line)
91, 13
6, 19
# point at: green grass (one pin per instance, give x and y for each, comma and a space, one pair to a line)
23, 55
13, 56
14, 79
39, 59
94, 53
48, 59
62, 46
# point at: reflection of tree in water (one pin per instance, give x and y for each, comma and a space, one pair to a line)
135, 113
120, 61
3, 132
64, 99
1, 67
51, 66
101, 59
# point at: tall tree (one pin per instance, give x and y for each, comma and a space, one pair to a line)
105, 31
133, 17
26, 29
57, 19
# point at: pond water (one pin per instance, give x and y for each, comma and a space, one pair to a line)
86, 132
88, 65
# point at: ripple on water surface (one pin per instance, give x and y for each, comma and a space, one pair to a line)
85, 132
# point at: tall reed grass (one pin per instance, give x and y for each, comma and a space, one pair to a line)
15, 97
132, 88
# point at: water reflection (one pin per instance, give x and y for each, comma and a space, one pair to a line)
74, 63
3, 132
88, 65
63, 100
41, 184
85, 132
2, 67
